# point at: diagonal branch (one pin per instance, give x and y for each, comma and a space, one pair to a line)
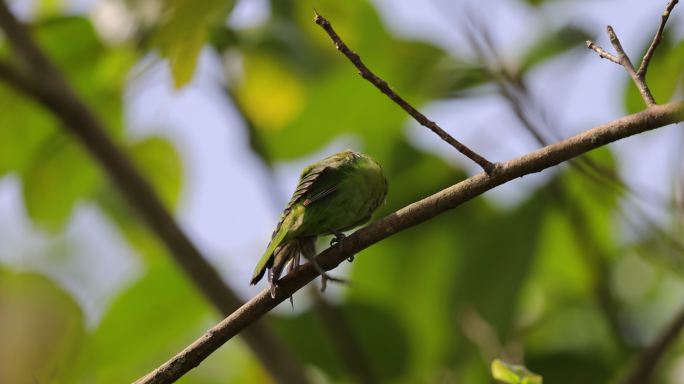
43, 82
656, 39
411, 215
382, 85
647, 362
638, 76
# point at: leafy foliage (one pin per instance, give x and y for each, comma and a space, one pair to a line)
435, 303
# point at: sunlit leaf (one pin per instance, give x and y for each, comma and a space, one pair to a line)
184, 31
271, 107
158, 160
513, 374
41, 328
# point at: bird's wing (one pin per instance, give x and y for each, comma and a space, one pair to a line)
316, 182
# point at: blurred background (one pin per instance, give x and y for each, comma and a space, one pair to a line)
220, 103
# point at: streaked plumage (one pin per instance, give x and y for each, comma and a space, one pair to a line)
334, 195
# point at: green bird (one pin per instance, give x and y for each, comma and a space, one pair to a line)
333, 195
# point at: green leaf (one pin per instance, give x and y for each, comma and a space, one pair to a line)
24, 126
150, 321
513, 374
330, 99
183, 32
380, 338
97, 72
161, 165
59, 175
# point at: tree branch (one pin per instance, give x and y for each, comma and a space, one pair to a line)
45, 84
382, 85
648, 360
413, 214
638, 76
656, 39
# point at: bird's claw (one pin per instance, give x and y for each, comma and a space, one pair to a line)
325, 277
338, 239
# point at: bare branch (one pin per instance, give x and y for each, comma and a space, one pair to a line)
656, 39
382, 85
648, 360
413, 214
638, 76
602, 52
46, 85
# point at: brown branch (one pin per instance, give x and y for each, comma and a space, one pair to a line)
382, 85
413, 214
45, 84
602, 52
638, 76
656, 39
649, 359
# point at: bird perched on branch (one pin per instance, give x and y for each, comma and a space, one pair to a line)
333, 195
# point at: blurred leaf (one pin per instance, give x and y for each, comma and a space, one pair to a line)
158, 160
98, 72
553, 44
270, 108
380, 337
665, 74
454, 77
147, 323
41, 328
309, 108
513, 374
184, 30
24, 126
571, 368
59, 175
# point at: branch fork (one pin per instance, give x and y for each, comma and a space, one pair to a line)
637, 75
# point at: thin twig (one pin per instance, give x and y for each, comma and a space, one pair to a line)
638, 76
411, 215
45, 84
649, 359
602, 52
656, 39
387, 90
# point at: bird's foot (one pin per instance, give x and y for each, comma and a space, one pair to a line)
326, 277
338, 239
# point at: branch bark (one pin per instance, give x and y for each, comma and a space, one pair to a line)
413, 214
41, 80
